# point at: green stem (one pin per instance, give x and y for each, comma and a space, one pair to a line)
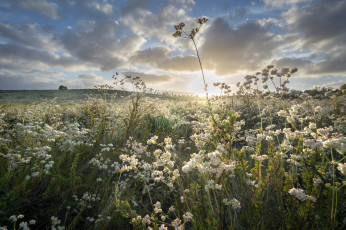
211, 204
333, 211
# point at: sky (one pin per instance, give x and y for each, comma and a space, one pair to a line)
82, 43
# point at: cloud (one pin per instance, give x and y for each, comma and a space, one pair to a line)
333, 84
168, 81
159, 57
15, 81
333, 63
269, 22
17, 57
228, 50
291, 63
26, 46
158, 25
323, 33
104, 7
153, 79
41, 8
90, 80
29, 35
182, 3
38, 79
98, 44
238, 13
91, 44
132, 5
136, 35
303, 83
281, 3
322, 22
91, 9
9, 52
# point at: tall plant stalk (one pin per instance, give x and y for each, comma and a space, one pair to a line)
181, 33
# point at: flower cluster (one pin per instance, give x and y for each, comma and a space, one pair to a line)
300, 195
180, 32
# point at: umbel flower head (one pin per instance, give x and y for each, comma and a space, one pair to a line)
202, 20
180, 26
180, 32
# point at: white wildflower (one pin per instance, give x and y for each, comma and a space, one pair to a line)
342, 168
187, 216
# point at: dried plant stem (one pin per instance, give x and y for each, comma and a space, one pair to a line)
200, 64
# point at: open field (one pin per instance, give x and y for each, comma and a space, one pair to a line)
241, 162
37, 96
60, 96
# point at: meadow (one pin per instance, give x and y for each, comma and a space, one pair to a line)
264, 157
244, 161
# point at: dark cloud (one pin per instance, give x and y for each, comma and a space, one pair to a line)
92, 44
321, 26
17, 52
159, 57
30, 35
42, 8
333, 63
324, 21
91, 9
291, 63
17, 57
131, 5
228, 50
98, 44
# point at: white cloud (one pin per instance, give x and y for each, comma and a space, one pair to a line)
156, 26
105, 7
281, 3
